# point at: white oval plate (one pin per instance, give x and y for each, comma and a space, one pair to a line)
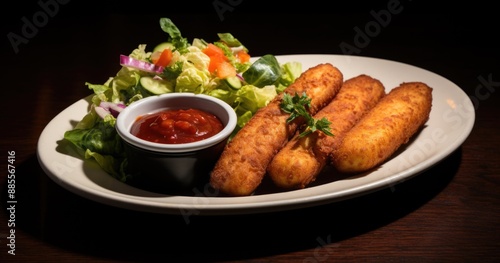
450, 123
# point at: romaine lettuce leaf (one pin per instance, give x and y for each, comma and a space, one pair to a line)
100, 141
110, 164
265, 71
102, 138
290, 72
252, 98
175, 36
230, 40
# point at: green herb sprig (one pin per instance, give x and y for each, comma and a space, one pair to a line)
296, 106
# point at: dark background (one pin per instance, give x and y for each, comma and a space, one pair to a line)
446, 38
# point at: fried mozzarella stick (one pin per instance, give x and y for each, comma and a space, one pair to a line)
390, 124
303, 158
242, 165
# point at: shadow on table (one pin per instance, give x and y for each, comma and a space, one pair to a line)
63, 219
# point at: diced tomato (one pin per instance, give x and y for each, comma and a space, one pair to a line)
214, 63
243, 56
225, 69
212, 50
163, 59
219, 63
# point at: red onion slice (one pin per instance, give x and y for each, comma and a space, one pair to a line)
113, 108
139, 64
102, 112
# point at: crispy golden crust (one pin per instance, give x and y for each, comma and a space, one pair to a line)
242, 165
302, 159
390, 124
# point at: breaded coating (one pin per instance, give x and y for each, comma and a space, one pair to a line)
303, 158
388, 126
242, 165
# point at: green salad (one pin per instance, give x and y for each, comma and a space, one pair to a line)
222, 69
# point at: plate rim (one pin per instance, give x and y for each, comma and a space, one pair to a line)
254, 203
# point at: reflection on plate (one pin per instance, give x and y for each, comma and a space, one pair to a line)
450, 123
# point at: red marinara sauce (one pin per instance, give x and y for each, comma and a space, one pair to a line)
174, 126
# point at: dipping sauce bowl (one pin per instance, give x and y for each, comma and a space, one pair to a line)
173, 168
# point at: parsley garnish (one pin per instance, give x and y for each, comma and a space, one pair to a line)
296, 106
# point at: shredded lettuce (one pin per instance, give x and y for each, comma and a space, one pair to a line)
192, 80
188, 71
140, 53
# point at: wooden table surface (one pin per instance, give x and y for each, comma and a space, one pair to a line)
450, 213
